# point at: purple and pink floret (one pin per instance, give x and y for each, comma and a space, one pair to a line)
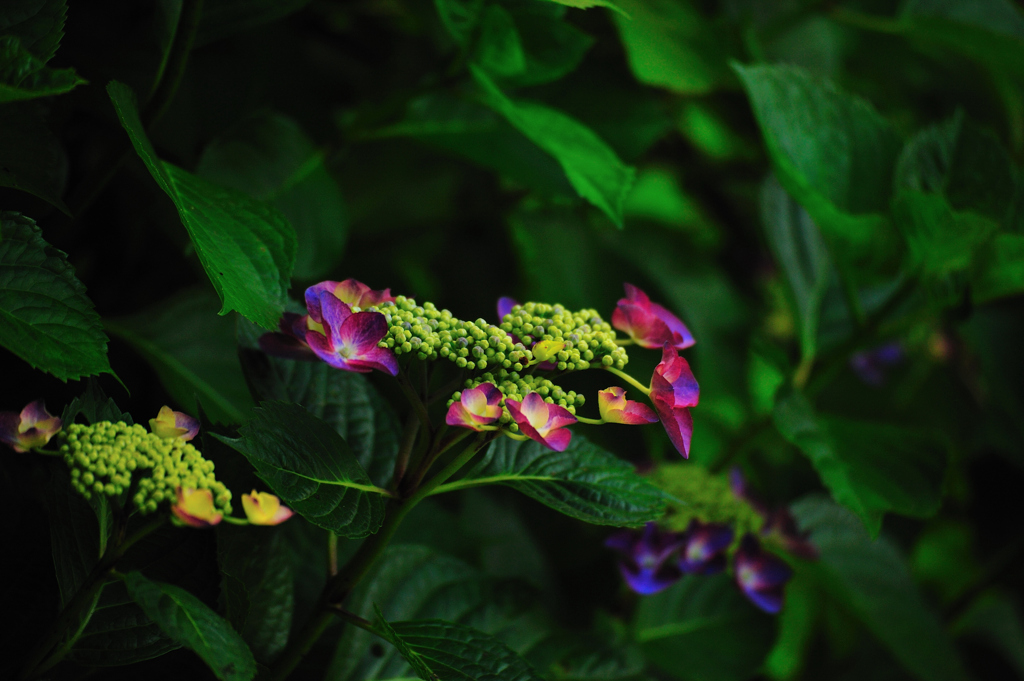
32, 427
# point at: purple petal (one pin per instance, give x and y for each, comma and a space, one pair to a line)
505, 305
768, 600
361, 332
381, 359
34, 412
9, 421
647, 582
705, 547
678, 424
336, 313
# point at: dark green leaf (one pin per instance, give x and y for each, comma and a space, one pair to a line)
120, 633
499, 50
411, 582
346, 400
703, 629
832, 152
587, 4
311, 468
988, 31
940, 240
31, 158
871, 578
871, 468
25, 76
802, 255
995, 619
671, 45
193, 352
256, 580
443, 651
268, 157
460, 17
190, 622
591, 166
45, 316
552, 48
964, 163
1000, 268
584, 481
39, 24
224, 18
95, 406
246, 246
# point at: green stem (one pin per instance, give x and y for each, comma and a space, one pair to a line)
409, 433
629, 379
40, 659
359, 565
428, 461
595, 422
332, 554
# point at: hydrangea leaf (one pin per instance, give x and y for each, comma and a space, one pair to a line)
38, 23
192, 623
268, 157
444, 651
257, 583
872, 579
460, 17
831, 151
25, 76
193, 351
246, 246
871, 468
584, 482
594, 170
703, 629
587, 4
45, 316
999, 269
311, 468
671, 45
31, 158
344, 399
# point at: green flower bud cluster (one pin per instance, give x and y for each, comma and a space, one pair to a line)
516, 386
706, 496
588, 338
431, 333
105, 457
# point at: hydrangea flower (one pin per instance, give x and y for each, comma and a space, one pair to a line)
195, 508
505, 305
479, 406
262, 508
172, 424
760, 575
647, 564
348, 340
779, 523
649, 324
705, 547
615, 408
353, 293
31, 428
674, 390
872, 365
542, 421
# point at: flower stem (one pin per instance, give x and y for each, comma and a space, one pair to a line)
629, 379
595, 422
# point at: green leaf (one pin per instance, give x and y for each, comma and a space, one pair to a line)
832, 152
988, 31
344, 399
246, 247
552, 48
591, 166
39, 24
999, 270
189, 621
256, 580
460, 17
587, 4
872, 580
31, 158
311, 468
120, 633
941, 241
95, 406
802, 254
703, 629
224, 18
671, 45
499, 50
964, 163
25, 76
45, 316
410, 582
443, 651
995, 619
193, 352
871, 468
584, 482
268, 157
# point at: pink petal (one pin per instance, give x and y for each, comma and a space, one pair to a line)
558, 440
361, 332
335, 313
381, 359
637, 413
